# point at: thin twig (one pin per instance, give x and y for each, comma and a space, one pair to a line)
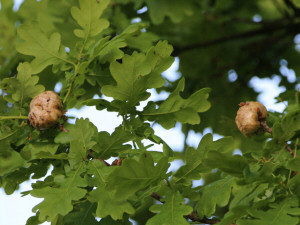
92, 157
264, 124
157, 197
289, 149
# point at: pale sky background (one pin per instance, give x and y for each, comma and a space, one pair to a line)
15, 210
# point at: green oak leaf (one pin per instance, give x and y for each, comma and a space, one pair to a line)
47, 51
134, 175
171, 212
80, 136
58, 200
291, 121
137, 73
110, 145
233, 165
245, 195
175, 108
285, 212
194, 158
109, 221
175, 9
23, 87
34, 149
216, 193
100, 172
108, 204
81, 215
10, 161
87, 16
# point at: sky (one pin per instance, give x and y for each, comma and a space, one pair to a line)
15, 210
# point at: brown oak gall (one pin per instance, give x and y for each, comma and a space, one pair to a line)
45, 110
249, 117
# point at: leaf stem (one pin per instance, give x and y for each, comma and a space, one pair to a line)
68, 93
264, 124
12, 133
13, 117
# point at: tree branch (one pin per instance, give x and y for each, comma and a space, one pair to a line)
291, 5
264, 30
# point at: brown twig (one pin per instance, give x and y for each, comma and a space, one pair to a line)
106, 163
264, 124
92, 157
289, 149
157, 197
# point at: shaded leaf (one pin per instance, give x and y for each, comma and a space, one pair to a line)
23, 87
59, 200
139, 72
110, 145
233, 165
171, 212
81, 215
291, 121
174, 9
135, 175
283, 212
35, 150
108, 204
80, 136
175, 108
216, 193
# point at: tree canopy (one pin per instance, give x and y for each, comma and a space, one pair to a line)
119, 49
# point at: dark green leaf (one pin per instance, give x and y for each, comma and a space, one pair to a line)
135, 175
171, 212
175, 108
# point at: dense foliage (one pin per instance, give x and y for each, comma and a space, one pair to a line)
119, 49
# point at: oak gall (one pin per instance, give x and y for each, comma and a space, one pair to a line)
249, 117
45, 110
